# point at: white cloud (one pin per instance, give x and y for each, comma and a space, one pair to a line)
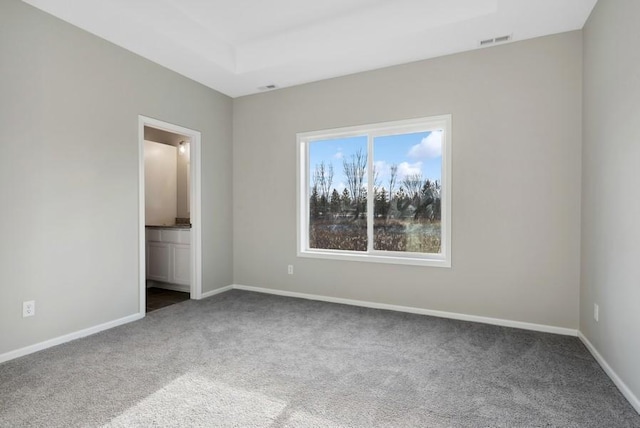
338, 154
429, 147
406, 168
382, 168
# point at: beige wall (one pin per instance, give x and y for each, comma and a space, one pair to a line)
183, 201
611, 187
516, 181
69, 174
69, 171
160, 136
160, 183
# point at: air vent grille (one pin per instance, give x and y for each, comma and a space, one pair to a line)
493, 41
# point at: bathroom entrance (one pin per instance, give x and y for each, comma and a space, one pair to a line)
170, 241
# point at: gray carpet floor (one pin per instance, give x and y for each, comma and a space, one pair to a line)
242, 359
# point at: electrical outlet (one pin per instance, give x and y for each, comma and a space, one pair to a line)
290, 269
596, 312
28, 308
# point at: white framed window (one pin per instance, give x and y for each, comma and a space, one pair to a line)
377, 193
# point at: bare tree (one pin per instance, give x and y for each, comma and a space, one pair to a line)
392, 210
393, 175
316, 177
376, 177
413, 185
327, 180
355, 171
323, 178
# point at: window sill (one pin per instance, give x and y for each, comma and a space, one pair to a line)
376, 258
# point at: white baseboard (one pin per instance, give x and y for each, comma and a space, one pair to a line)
68, 337
216, 291
420, 311
91, 330
629, 395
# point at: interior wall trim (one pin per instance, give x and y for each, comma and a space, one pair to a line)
216, 291
440, 314
21, 352
68, 337
624, 389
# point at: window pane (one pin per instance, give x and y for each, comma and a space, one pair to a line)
408, 171
338, 194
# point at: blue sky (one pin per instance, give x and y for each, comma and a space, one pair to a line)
416, 153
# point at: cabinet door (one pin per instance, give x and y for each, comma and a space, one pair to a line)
158, 261
181, 257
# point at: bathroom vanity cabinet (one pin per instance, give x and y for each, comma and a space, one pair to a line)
168, 258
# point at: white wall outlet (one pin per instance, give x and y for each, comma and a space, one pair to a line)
28, 308
290, 269
596, 312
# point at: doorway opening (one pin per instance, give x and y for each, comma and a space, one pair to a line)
169, 200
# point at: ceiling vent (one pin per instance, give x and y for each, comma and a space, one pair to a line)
267, 87
495, 40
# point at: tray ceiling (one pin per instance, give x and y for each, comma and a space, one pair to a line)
239, 46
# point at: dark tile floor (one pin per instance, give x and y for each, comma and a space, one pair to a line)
159, 298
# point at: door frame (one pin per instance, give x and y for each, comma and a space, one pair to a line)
195, 201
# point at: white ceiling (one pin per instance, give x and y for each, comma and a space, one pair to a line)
237, 46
